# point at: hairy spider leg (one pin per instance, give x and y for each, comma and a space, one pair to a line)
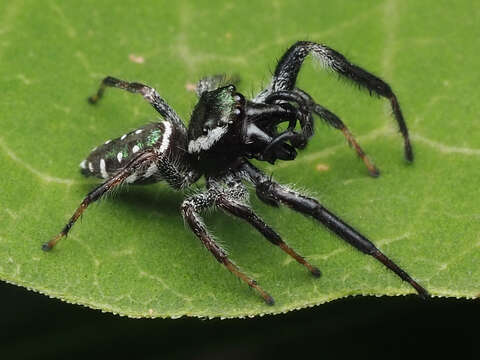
285, 77
246, 213
143, 160
191, 208
148, 93
305, 100
276, 193
334, 121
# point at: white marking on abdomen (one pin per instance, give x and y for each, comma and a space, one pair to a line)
120, 156
152, 169
135, 149
139, 131
123, 136
166, 136
131, 178
83, 164
107, 142
103, 169
90, 167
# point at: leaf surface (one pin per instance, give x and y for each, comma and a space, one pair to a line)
131, 253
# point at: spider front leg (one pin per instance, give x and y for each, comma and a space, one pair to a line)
143, 160
191, 208
288, 67
273, 193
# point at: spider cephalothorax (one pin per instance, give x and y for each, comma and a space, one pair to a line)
225, 132
224, 127
217, 120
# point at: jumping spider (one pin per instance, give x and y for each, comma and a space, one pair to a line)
225, 131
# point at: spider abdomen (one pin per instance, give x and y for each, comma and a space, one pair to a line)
107, 159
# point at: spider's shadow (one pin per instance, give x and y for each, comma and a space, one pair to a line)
144, 200
158, 202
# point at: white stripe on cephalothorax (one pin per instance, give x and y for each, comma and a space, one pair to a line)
139, 131
83, 164
107, 142
205, 142
90, 167
166, 136
152, 169
135, 149
123, 136
120, 156
103, 169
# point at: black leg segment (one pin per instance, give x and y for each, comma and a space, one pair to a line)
276, 193
246, 213
149, 94
289, 65
190, 211
141, 161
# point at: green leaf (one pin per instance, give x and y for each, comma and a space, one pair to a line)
132, 254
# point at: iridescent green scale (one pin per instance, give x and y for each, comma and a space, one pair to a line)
106, 159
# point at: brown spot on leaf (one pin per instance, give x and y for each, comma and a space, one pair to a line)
190, 87
136, 58
322, 167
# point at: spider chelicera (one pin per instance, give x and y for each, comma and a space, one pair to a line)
225, 131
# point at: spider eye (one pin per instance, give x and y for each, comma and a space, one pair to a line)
238, 112
239, 99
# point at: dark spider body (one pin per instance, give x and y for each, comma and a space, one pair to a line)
224, 133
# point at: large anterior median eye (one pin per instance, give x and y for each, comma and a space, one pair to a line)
239, 104
237, 112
